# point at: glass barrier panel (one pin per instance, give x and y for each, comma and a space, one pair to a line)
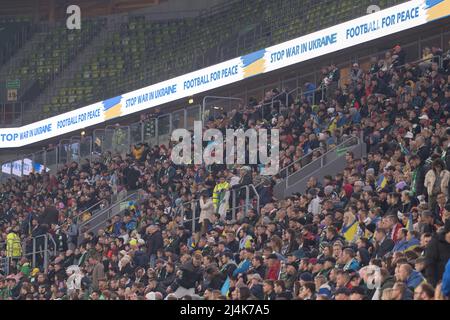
178, 119
193, 113
151, 131
86, 148
164, 130
39, 164
51, 160
136, 133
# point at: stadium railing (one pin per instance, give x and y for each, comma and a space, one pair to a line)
250, 194
313, 167
99, 218
38, 250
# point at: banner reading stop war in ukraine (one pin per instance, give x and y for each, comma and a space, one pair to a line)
376, 25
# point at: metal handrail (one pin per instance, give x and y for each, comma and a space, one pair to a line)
108, 211
193, 204
309, 154
263, 105
423, 60
75, 217
440, 63
214, 97
321, 158
41, 250
247, 203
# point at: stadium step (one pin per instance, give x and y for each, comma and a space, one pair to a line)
97, 219
330, 163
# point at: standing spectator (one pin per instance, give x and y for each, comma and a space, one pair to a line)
436, 181
154, 242
206, 213
437, 255
98, 271
13, 245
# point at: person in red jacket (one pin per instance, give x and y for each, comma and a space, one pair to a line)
273, 265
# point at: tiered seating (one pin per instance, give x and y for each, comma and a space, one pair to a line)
53, 51
14, 32
141, 52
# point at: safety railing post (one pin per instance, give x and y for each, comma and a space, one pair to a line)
247, 200
233, 209
193, 208
34, 254
45, 253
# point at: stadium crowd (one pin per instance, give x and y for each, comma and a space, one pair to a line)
387, 212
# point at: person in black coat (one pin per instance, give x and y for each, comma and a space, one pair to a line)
131, 175
214, 279
49, 215
383, 245
269, 290
437, 255
167, 277
154, 241
190, 275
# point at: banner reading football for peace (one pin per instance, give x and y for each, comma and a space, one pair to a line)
376, 25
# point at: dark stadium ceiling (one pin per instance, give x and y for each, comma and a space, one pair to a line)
44, 10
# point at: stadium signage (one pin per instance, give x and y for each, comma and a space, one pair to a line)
376, 25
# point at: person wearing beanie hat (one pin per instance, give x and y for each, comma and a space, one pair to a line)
306, 277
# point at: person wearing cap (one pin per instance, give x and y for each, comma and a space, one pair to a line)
289, 276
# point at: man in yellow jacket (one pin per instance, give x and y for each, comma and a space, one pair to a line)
219, 192
13, 246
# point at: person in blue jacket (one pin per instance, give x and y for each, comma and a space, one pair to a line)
405, 273
446, 280
246, 256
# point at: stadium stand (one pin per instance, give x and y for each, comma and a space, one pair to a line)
14, 32
232, 29
387, 210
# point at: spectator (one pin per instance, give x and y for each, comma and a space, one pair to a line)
438, 254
